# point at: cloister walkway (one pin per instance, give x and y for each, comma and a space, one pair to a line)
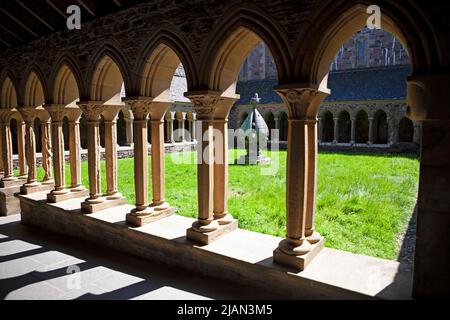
34, 265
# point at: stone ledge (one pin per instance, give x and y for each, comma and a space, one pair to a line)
242, 256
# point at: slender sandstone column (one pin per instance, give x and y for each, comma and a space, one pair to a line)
170, 131
204, 105
7, 151
92, 112
302, 103
1, 152
46, 139
29, 114
319, 130
57, 116
311, 235
181, 137
111, 158
221, 173
75, 155
129, 131
23, 167
157, 137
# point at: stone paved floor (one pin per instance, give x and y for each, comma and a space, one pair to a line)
39, 265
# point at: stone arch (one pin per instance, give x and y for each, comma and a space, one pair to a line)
406, 130
380, 128
66, 86
327, 127
344, 127
283, 126
158, 61
233, 39
34, 90
107, 82
339, 20
361, 127
8, 94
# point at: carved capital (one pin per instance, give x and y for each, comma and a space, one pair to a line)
28, 113
92, 111
302, 103
5, 115
56, 111
204, 104
140, 108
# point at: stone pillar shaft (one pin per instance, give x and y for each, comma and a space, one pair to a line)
221, 169
94, 158
46, 139
111, 157
371, 130
7, 151
75, 154
311, 190
353, 131
157, 137
141, 163
23, 167
336, 130
58, 155
30, 145
205, 171
129, 131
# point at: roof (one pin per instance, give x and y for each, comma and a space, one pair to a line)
347, 85
22, 21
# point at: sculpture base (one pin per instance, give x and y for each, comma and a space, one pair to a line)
298, 263
36, 188
139, 221
252, 160
55, 198
208, 237
87, 207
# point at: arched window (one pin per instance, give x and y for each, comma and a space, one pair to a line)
406, 130
345, 127
362, 127
380, 134
327, 127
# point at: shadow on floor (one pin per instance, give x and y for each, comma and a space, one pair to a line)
136, 277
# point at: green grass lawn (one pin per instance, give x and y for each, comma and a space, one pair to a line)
364, 202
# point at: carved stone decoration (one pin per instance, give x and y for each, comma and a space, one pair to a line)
204, 104
56, 111
140, 108
47, 153
92, 111
302, 103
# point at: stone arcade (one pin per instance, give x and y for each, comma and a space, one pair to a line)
70, 73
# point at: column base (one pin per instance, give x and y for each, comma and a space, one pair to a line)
36, 187
139, 219
298, 263
55, 197
94, 206
11, 183
206, 238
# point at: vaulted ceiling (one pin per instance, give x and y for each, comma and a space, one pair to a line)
22, 21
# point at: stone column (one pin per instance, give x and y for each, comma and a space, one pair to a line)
370, 130
73, 115
110, 116
57, 115
204, 105
428, 101
29, 114
336, 130
93, 112
393, 127
353, 130
1, 158
181, 128
46, 139
319, 130
417, 132
141, 110
303, 104
311, 235
158, 186
170, 131
277, 127
6, 143
23, 167
221, 214
129, 131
